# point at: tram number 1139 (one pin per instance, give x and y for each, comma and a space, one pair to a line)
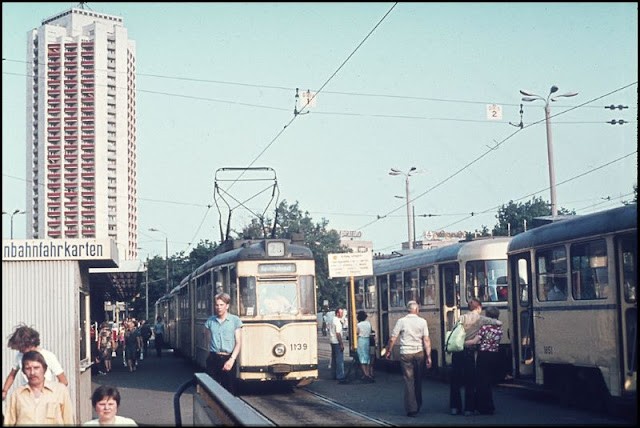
298, 346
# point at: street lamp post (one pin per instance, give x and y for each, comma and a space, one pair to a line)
529, 96
17, 211
166, 249
395, 171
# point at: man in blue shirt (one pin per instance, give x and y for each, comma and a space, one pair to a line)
223, 334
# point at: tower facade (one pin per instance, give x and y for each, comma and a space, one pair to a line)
81, 130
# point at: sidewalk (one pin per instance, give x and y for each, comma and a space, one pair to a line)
147, 394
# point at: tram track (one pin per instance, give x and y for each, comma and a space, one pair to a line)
303, 407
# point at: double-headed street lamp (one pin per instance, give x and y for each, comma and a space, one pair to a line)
395, 171
17, 211
166, 249
529, 96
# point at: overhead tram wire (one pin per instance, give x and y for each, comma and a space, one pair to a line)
494, 208
316, 93
311, 99
380, 217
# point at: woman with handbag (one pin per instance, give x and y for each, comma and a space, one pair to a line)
463, 363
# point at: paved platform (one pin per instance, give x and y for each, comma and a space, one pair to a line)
148, 394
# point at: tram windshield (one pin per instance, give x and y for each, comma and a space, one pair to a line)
277, 297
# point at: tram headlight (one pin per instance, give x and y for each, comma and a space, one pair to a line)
279, 350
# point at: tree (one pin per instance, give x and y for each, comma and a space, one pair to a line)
515, 215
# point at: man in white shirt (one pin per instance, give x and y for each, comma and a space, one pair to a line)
337, 346
415, 353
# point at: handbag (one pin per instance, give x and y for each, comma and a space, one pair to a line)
454, 339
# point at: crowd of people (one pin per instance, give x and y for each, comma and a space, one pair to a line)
128, 343
473, 369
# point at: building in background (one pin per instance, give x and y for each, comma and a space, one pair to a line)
81, 130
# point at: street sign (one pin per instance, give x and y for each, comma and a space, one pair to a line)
494, 112
350, 264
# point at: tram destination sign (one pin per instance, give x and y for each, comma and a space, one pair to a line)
350, 264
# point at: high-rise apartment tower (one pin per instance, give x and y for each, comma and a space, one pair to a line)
81, 130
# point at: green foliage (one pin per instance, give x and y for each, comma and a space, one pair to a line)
515, 214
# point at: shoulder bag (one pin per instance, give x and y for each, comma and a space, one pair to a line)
454, 339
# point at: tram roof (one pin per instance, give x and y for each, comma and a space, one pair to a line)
482, 247
248, 250
602, 222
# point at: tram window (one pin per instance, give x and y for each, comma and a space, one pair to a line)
497, 280
307, 294
589, 271
411, 286
629, 268
477, 283
233, 290
370, 301
396, 290
428, 285
384, 291
552, 274
451, 280
247, 296
359, 294
523, 286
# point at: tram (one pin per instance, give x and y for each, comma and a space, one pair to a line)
574, 306
441, 280
272, 287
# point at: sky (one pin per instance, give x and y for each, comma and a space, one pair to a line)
397, 85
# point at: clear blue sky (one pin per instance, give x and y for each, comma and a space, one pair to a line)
398, 87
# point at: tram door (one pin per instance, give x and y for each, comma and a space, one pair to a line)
627, 249
522, 313
450, 294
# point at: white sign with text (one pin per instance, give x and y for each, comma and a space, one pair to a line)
350, 264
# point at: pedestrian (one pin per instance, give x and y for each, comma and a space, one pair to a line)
106, 346
487, 361
24, 339
324, 323
39, 402
463, 363
132, 345
105, 401
364, 338
158, 335
337, 347
145, 333
223, 335
415, 352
